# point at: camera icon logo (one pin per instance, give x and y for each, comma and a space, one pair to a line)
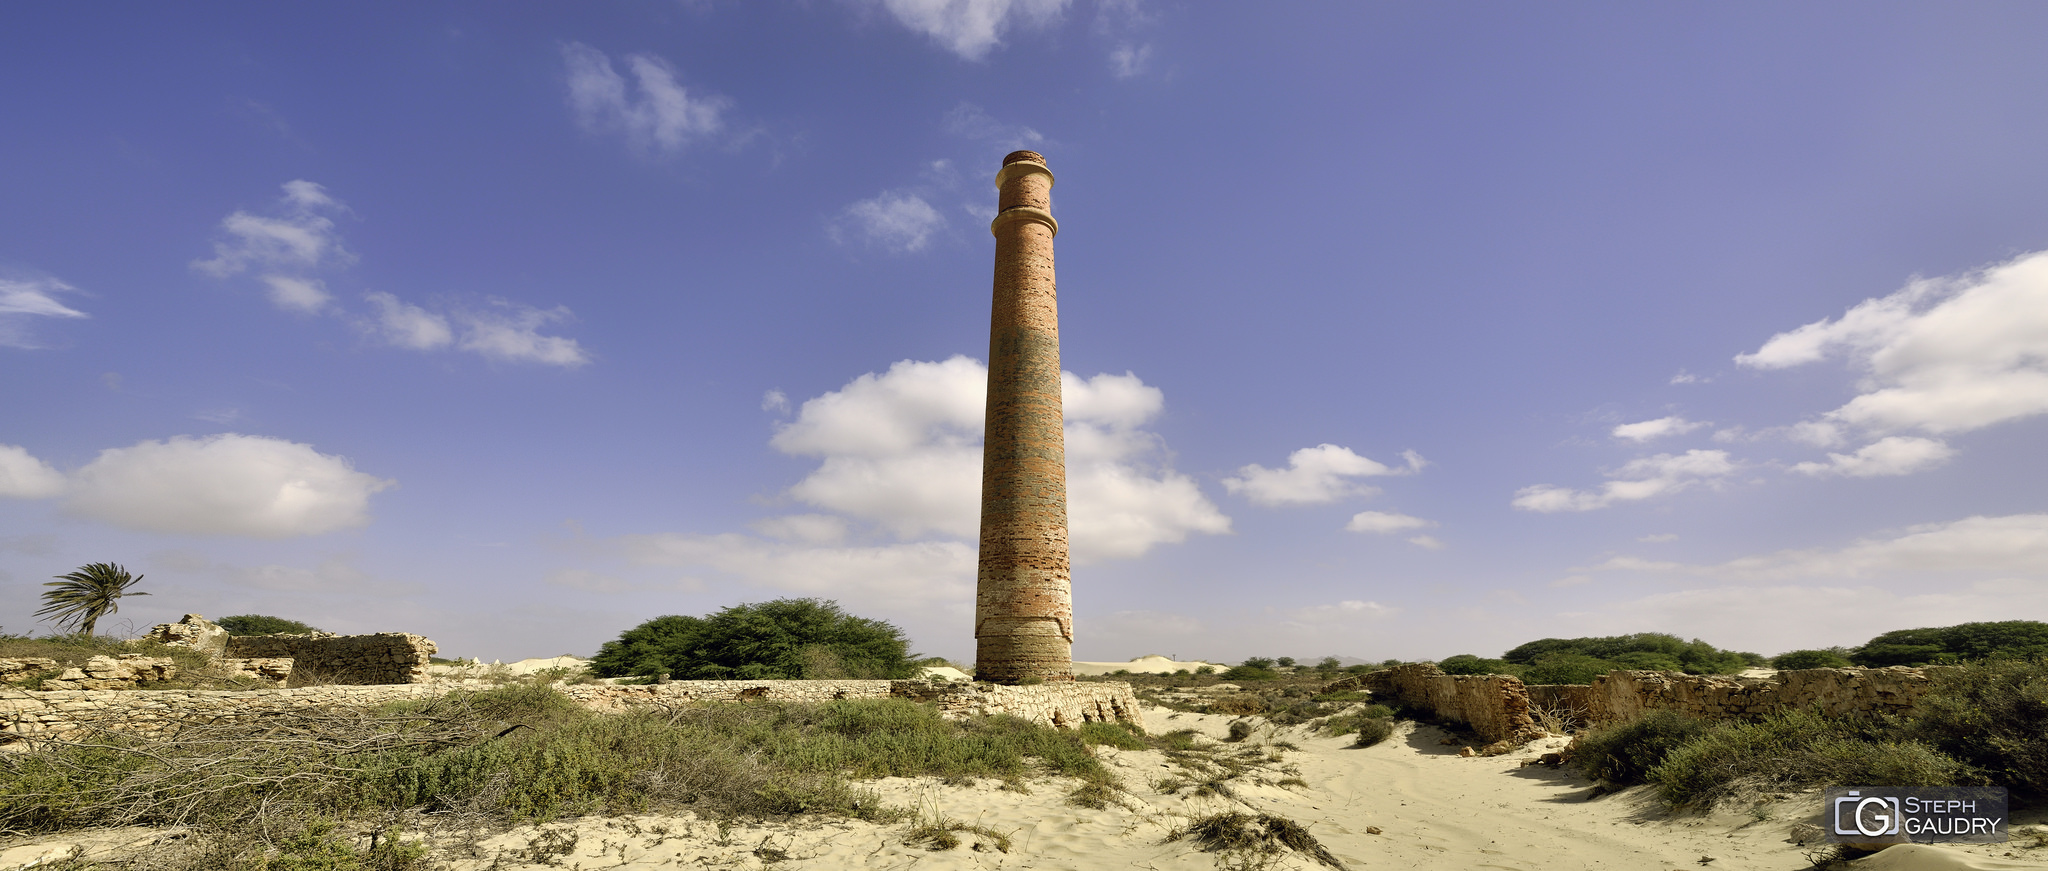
1869, 816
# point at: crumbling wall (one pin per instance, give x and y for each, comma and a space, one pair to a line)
1625, 696
1495, 706
26, 716
352, 660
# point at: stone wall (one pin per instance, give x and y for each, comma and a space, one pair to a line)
354, 660
1625, 696
1494, 706
27, 715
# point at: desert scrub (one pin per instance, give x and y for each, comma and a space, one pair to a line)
524, 753
1347, 722
1624, 754
1800, 750
1373, 731
1993, 715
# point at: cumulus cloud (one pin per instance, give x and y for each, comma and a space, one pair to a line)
1641, 478
1941, 356
902, 449
659, 117
969, 28
1893, 455
1427, 542
1314, 475
22, 476
1650, 430
892, 220
303, 295
21, 300
1346, 611
298, 238
1384, 522
2015, 544
407, 325
225, 484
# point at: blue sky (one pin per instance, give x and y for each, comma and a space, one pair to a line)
1393, 330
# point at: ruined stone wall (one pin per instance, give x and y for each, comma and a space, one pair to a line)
1625, 696
1494, 706
29, 715
355, 660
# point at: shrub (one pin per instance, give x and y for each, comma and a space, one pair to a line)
1372, 731
258, 624
1250, 672
1800, 750
1832, 657
1566, 668
1257, 662
1653, 650
1466, 663
1993, 715
784, 639
1328, 665
1285, 662
2019, 639
1624, 754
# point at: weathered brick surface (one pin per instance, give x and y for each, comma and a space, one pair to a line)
26, 716
1023, 613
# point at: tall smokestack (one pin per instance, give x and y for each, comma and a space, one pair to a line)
1023, 604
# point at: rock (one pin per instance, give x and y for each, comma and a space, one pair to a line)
193, 631
1372, 830
36, 856
1468, 752
18, 670
276, 669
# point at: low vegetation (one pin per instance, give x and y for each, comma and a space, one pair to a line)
1984, 723
522, 753
195, 669
259, 624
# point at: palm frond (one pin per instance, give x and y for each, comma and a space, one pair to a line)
79, 599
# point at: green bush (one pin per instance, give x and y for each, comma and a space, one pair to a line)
1832, 657
2017, 639
1466, 663
1625, 753
1645, 650
1566, 668
1373, 731
1250, 672
1993, 715
258, 624
1800, 750
786, 639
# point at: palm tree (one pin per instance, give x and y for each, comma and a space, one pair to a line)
82, 597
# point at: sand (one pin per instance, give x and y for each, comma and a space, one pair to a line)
1432, 809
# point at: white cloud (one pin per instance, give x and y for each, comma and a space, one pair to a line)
1571, 581
2015, 544
969, 28
1128, 60
1385, 522
22, 476
1684, 377
303, 295
407, 325
226, 484
902, 449
893, 220
1658, 538
1640, 479
804, 528
21, 300
1892, 455
1314, 475
660, 118
1941, 356
298, 239
1427, 542
1650, 430
510, 331
776, 401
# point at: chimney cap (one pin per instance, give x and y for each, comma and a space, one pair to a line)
1024, 157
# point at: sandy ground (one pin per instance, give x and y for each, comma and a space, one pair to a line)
1431, 807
